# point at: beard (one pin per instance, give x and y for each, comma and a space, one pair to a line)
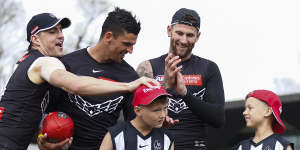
181, 53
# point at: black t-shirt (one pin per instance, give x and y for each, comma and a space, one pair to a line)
21, 105
202, 106
92, 115
125, 136
272, 142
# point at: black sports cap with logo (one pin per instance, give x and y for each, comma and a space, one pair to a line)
188, 17
45, 21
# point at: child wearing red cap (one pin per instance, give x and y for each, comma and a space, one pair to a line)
144, 132
262, 112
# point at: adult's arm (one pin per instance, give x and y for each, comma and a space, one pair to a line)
145, 69
211, 108
52, 70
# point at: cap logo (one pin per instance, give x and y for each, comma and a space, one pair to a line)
280, 109
182, 22
150, 89
34, 29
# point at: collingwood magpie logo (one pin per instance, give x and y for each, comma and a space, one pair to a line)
178, 105
108, 106
157, 145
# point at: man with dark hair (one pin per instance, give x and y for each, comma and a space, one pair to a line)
93, 115
26, 95
195, 83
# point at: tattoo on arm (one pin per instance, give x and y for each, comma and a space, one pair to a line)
145, 70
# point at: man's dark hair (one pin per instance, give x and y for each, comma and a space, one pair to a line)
120, 21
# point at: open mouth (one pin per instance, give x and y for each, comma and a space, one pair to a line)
123, 53
59, 44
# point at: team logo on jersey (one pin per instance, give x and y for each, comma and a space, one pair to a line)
159, 78
178, 105
97, 70
267, 148
188, 79
108, 106
157, 145
45, 102
192, 80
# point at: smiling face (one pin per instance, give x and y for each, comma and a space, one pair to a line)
121, 45
256, 112
183, 39
49, 42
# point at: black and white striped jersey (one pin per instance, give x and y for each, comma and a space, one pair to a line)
126, 137
272, 142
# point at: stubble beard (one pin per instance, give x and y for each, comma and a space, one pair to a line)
174, 50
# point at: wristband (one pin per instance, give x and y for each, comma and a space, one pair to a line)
39, 136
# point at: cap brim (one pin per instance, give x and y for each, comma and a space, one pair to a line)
278, 127
65, 22
152, 99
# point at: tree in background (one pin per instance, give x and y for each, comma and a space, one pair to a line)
12, 36
87, 32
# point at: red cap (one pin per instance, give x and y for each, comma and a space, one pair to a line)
144, 95
274, 102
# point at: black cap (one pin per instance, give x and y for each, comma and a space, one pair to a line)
181, 17
45, 21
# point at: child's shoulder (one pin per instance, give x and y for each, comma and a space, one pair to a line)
284, 142
117, 128
243, 142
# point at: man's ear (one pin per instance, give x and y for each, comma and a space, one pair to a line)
169, 30
108, 36
198, 35
35, 40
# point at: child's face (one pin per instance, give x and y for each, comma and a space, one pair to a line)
154, 114
255, 112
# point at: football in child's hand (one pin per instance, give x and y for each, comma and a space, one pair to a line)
58, 126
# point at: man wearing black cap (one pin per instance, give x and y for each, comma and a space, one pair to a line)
26, 95
195, 83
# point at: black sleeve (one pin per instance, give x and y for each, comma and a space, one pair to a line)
128, 111
211, 109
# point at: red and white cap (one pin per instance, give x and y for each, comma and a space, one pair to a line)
274, 102
144, 95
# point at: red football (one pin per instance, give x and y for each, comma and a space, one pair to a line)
58, 126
